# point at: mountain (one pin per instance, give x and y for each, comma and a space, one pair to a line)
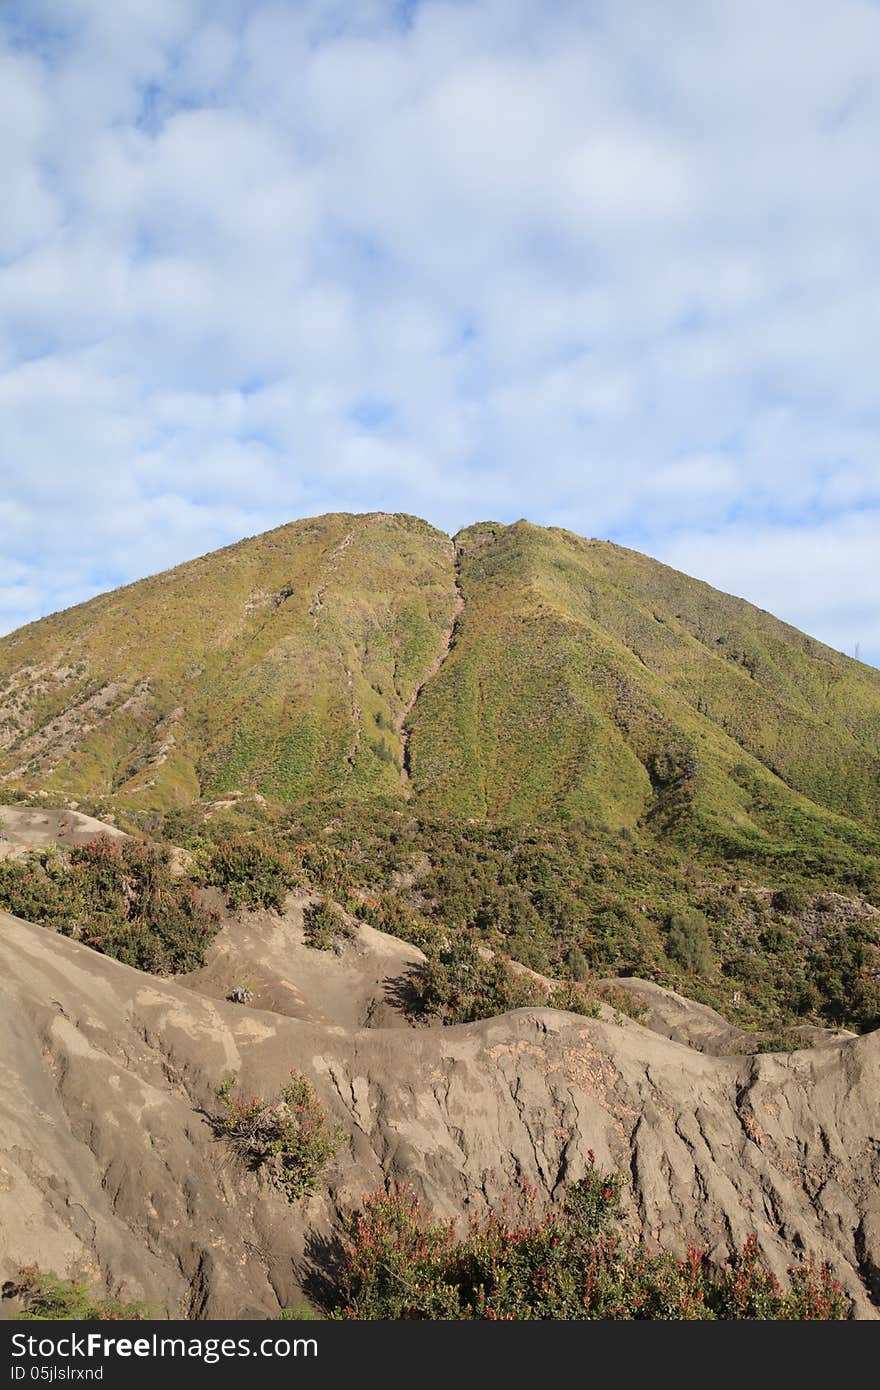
505, 850
591, 678
513, 673
283, 663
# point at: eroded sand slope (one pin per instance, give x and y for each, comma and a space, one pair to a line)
109, 1167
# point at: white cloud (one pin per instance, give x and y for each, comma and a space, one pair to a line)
839, 603
612, 267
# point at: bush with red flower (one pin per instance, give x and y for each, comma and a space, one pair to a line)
572, 1263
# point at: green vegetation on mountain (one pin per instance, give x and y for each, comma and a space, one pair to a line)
572, 902
121, 898
282, 664
577, 903
591, 680
549, 747
583, 680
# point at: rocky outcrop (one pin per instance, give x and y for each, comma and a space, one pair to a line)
109, 1167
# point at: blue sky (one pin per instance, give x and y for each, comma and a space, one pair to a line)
608, 265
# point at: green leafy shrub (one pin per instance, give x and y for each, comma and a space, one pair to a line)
290, 1137
119, 897
689, 944
324, 925
458, 985
577, 966
574, 998
791, 900
251, 871
387, 913
571, 1264
842, 967
45, 1298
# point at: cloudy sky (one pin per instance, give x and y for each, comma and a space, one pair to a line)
607, 264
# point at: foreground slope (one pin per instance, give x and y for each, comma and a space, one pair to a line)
108, 1166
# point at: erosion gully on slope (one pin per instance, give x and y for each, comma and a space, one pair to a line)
448, 644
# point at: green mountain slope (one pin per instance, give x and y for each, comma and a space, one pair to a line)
590, 678
282, 664
580, 679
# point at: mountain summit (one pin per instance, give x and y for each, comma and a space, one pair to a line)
513, 672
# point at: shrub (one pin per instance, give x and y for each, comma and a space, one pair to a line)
574, 998
386, 913
622, 1000
457, 985
617, 943
570, 1264
46, 1298
252, 872
577, 966
843, 967
791, 900
689, 944
324, 925
117, 896
290, 1137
